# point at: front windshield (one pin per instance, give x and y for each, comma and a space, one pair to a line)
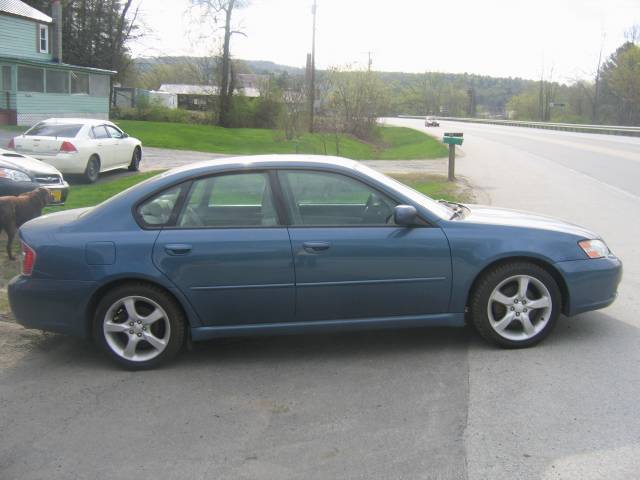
433, 206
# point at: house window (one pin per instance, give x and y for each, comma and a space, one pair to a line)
99, 85
57, 81
30, 79
79, 83
43, 38
6, 82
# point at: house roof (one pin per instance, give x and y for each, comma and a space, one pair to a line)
184, 89
49, 64
21, 9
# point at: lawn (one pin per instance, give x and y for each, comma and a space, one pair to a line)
394, 143
435, 186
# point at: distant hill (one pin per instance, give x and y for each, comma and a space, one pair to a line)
252, 66
456, 90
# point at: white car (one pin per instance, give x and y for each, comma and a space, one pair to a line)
80, 146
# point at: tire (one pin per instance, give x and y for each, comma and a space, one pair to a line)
134, 166
500, 311
139, 326
92, 171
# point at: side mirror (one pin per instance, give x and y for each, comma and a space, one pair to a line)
125, 135
405, 215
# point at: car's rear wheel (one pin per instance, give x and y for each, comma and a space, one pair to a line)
92, 171
516, 304
139, 326
134, 166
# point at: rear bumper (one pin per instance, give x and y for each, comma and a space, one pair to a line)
53, 305
591, 284
66, 163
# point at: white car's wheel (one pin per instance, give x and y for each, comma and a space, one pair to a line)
134, 166
92, 171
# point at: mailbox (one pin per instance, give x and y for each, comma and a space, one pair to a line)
453, 138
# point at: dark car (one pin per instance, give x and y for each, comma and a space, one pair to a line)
20, 173
291, 244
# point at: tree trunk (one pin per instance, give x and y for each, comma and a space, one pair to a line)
225, 94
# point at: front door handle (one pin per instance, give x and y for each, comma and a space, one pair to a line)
177, 248
315, 247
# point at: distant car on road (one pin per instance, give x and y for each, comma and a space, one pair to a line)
431, 122
293, 244
79, 146
21, 174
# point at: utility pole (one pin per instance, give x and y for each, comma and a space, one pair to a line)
370, 62
312, 81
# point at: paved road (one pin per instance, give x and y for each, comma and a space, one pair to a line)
430, 404
568, 408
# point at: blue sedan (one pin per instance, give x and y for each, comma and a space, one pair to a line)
293, 244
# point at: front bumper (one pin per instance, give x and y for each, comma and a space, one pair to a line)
59, 191
53, 305
591, 284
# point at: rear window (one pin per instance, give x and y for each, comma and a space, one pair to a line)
48, 130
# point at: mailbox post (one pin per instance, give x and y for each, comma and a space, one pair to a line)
452, 139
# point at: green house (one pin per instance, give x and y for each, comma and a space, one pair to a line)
34, 82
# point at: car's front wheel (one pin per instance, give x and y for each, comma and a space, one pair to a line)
134, 166
515, 304
139, 326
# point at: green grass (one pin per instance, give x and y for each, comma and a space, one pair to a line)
396, 142
435, 186
89, 195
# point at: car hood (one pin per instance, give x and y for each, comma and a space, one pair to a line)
23, 162
513, 218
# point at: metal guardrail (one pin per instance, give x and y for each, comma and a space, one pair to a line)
567, 127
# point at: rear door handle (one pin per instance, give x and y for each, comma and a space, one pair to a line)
315, 247
177, 248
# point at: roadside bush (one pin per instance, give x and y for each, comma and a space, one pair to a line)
156, 112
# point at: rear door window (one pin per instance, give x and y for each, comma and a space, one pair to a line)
100, 132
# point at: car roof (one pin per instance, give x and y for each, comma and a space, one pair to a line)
75, 121
267, 161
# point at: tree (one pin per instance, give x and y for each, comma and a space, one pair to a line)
95, 33
622, 77
212, 10
359, 98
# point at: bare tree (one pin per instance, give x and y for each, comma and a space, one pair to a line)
213, 9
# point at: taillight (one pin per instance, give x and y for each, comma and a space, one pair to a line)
68, 147
28, 259
12, 144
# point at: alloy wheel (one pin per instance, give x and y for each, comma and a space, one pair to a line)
136, 328
519, 307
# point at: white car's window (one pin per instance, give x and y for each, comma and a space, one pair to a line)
114, 132
100, 132
53, 130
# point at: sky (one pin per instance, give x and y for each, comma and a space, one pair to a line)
561, 38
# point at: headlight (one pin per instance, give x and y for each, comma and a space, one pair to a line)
14, 175
594, 248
